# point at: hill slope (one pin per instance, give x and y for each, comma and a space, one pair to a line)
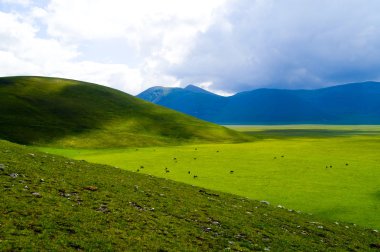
38, 110
357, 103
54, 203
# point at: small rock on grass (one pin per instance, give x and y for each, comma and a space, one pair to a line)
103, 208
207, 229
37, 195
13, 175
90, 188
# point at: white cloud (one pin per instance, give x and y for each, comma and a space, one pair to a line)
20, 42
16, 2
159, 33
158, 30
96, 19
10, 65
37, 13
23, 53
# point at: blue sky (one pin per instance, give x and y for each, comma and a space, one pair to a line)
225, 46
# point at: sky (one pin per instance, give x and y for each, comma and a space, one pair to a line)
225, 46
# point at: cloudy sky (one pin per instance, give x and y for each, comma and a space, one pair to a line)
222, 45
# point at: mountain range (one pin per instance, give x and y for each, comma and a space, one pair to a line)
354, 103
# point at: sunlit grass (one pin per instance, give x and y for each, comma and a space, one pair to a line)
57, 204
335, 175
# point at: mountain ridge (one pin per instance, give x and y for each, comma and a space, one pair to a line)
352, 103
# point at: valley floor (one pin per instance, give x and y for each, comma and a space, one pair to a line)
51, 203
330, 171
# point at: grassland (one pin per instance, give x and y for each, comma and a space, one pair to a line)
61, 112
51, 203
330, 171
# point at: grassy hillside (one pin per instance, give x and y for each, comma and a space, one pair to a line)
330, 171
53, 203
51, 111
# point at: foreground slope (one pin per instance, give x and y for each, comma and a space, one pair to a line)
356, 103
38, 110
54, 203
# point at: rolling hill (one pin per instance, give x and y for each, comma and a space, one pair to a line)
69, 113
51, 203
356, 103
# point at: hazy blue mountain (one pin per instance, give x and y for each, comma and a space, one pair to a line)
355, 103
191, 100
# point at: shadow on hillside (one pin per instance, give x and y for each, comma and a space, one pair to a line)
32, 113
377, 195
44, 110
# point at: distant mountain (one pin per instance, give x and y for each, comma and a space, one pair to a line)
191, 100
61, 112
355, 103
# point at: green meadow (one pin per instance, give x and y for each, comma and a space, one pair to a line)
332, 172
51, 203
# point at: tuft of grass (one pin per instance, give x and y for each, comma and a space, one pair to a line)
61, 112
54, 203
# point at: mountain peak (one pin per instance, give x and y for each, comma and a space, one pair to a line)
155, 94
196, 89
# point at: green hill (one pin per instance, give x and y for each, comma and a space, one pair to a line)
50, 203
61, 112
